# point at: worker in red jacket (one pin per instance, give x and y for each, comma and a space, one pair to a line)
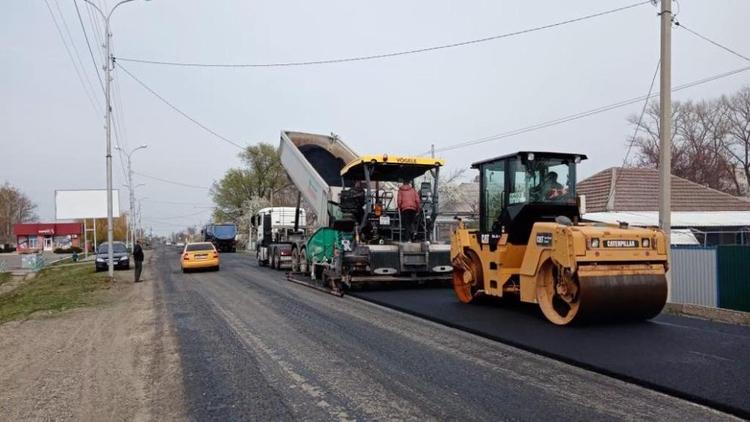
408, 205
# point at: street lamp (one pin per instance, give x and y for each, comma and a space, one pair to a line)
108, 126
131, 188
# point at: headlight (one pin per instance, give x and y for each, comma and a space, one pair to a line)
99, 259
595, 242
646, 243
123, 258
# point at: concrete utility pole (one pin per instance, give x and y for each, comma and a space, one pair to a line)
108, 65
665, 136
131, 193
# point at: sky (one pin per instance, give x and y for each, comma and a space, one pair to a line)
52, 125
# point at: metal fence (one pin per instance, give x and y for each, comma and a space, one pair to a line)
695, 276
715, 276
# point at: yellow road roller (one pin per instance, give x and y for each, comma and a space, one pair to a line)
530, 244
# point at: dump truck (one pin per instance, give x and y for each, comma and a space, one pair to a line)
532, 245
359, 238
277, 230
222, 235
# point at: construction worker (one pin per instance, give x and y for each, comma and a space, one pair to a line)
408, 205
138, 258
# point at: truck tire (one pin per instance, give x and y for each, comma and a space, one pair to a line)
295, 260
303, 264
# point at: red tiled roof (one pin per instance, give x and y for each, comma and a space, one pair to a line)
637, 189
57, 229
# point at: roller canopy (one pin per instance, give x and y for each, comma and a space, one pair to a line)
390, 169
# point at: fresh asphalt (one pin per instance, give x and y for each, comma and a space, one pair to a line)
256, 347
703, 361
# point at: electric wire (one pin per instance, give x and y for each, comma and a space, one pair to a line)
637, 128
88, 44
173, 107
75, 49
583, 114
92, 100
387, 55
705, 38
171, 181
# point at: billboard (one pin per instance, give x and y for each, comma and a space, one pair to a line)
85, 203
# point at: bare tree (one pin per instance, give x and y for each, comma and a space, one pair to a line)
700, 139
15, 207
737, 113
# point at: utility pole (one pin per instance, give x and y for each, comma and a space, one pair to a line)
665, 136
108, 66
108, 125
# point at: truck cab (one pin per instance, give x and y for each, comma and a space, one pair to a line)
276, 230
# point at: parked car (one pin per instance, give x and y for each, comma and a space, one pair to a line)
201, 255
119, 254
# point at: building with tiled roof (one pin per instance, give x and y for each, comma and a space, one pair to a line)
632, 195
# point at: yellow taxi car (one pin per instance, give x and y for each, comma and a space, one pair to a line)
200, 255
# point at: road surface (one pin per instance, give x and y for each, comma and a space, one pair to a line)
256, 347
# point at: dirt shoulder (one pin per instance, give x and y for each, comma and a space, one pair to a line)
116, 361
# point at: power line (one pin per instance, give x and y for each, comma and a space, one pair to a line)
637, 128
75, 48
88, 44
577, 116
173, 107
704, 38
391, 54
171, 181
91, 99
176, 203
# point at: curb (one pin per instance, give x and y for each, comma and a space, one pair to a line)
728, 316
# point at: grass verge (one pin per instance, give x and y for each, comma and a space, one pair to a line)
4, 277
54, 290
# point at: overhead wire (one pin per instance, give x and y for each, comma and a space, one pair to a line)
187, 185
173, 107
583, 114
679, 24
92, 100
88, 44
75, 49
637, 128
390, 54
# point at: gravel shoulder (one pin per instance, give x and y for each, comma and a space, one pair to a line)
117, 361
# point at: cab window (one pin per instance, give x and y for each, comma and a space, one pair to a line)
493, 192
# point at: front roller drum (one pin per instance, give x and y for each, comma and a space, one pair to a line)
566, 298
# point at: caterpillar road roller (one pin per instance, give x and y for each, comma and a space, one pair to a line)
531, 244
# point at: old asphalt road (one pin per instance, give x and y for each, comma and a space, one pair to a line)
256, 347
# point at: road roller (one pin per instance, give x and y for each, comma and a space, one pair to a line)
530, 244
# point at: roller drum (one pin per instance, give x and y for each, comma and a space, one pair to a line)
621, 297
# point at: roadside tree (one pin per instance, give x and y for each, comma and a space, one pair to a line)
15, 207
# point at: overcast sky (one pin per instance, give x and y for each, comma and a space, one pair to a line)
52, 137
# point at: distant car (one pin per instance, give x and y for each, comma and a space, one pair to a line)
202, 255
119, 254
180, 244
168, 243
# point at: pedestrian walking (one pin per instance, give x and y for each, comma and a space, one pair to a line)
408, 205
138, 258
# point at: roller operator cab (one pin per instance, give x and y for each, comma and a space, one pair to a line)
531, 244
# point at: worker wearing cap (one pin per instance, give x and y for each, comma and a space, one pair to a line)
408, 205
